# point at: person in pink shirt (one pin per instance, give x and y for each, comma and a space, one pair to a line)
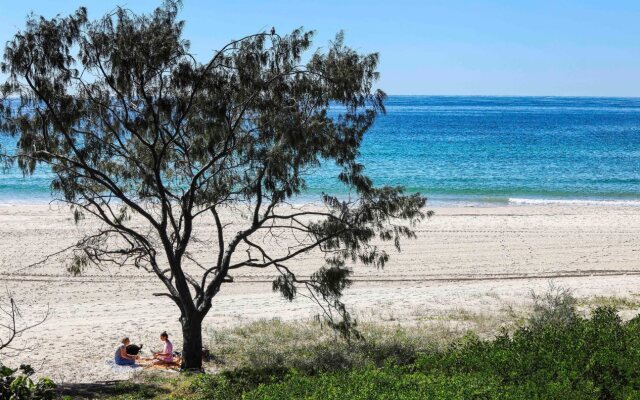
166, 355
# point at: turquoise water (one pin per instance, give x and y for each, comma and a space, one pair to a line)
481, 150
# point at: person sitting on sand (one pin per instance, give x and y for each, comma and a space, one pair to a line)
121, 356
166, 356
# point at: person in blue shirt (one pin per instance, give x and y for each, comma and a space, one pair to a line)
121, 357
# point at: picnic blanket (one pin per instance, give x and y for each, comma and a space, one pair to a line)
145, 364
124, 369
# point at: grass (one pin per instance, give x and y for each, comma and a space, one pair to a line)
621, 303
312, 347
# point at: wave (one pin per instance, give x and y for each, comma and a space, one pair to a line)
576, 202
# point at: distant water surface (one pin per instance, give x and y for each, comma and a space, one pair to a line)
485, 150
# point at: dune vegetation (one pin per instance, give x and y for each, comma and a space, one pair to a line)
560, 351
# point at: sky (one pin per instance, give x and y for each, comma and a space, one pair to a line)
482, 47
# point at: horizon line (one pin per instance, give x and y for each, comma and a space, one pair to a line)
517, 95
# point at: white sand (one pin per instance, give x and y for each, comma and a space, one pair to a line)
472, 258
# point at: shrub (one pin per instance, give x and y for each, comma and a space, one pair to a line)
556, 307
16, 384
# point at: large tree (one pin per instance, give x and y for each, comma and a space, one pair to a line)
135, 128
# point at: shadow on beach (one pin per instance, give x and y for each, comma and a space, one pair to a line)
108, 389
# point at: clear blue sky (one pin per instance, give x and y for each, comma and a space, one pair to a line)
571, 47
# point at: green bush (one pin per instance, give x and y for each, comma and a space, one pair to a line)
391, 382
16, 384
596, 357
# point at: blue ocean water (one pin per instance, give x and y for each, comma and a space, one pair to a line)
480, 150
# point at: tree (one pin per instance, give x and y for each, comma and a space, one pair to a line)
135, 128
13, 325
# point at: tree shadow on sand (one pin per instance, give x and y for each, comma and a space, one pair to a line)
109, 389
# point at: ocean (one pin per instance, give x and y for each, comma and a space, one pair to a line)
478, 150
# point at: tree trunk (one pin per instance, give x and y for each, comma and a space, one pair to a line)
192, 343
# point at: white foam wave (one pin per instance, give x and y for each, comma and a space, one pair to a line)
576, 202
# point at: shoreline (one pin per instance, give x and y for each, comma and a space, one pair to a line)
437, 202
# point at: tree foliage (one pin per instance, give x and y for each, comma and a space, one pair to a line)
17, 384
134, 127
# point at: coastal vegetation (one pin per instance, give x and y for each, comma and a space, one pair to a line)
561, 351
17, 384
151, 144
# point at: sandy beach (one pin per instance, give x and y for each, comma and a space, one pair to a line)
465, 258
